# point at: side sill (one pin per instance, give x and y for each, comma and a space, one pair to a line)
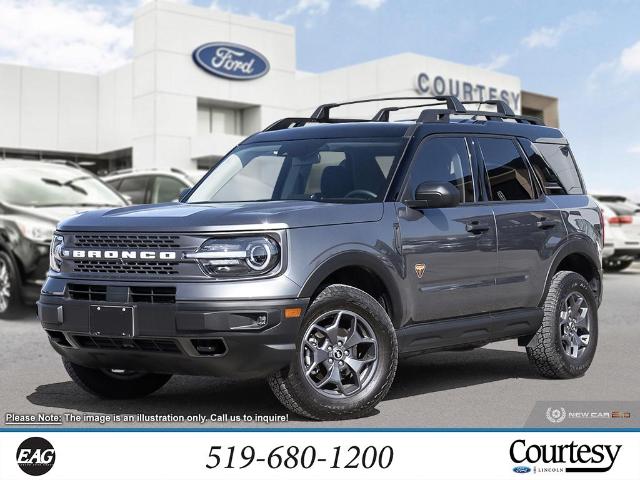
462, 331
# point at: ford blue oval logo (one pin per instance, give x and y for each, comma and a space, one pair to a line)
232, 61
521, 469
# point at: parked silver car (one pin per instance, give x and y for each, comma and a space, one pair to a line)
153, 185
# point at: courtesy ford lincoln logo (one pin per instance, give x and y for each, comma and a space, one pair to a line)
119, 254
232, 61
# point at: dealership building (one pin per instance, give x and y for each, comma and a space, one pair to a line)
200, 81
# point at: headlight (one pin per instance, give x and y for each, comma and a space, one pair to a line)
36, 231
236, 257
55, 253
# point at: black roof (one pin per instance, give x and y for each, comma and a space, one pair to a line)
350, 129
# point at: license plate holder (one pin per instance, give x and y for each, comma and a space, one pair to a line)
111, 321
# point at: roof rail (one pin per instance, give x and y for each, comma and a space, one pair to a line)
383, 113
322, 112
501, 106
452, 105
300, 121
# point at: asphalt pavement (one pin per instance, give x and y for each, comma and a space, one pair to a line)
492, 386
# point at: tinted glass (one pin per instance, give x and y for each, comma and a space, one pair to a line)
507, 173
134, 188
329, 170
559, 158
42, 185
166, 189
444, 159
547, 177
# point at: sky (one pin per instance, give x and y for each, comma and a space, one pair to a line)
585, 52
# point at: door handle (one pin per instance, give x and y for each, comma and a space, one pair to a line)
545, 224
476, 227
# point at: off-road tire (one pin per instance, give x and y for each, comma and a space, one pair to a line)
545, 349
614, 265
101, 384
295, 392
15, 306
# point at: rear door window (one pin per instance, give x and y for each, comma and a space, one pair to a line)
166, 189
560, 160
508, 176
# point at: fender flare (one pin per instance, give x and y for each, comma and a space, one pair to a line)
368, 261
584, 246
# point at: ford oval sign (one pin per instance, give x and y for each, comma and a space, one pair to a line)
232, 61
521, 469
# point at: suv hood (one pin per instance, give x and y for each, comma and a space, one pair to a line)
183, 217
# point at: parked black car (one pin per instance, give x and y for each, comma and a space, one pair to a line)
34, 197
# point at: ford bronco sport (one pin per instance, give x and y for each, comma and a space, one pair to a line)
322, 249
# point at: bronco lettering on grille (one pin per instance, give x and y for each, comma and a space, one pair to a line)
119, 254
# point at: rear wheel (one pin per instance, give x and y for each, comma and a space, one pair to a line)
10, 298
346, 357
613, 264
565, 343
115, 383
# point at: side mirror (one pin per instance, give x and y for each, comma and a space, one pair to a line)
435, 195
183, 193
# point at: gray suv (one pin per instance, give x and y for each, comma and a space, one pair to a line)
321, 250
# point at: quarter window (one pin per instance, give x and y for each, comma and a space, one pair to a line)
444, 159
559, 158
507, 172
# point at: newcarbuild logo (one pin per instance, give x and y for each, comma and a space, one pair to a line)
569, 458
232, 61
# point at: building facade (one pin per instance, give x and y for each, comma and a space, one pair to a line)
202, 80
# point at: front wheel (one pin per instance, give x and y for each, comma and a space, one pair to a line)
346, 357
10, 298
565, 343
115, 383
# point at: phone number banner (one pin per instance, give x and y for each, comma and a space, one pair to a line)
319, 454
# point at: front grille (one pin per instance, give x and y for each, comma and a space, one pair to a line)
116, 343
110, 240
97, 293
135, 268
152, 294
100, 293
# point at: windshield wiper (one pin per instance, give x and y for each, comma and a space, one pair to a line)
57, 183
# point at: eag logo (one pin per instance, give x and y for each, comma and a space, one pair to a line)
569, 458
35, 456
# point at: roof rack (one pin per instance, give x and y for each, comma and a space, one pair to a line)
322, 112
428, 115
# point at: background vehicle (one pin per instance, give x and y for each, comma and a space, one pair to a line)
608, 248
34, 197
623, 231
152, 185
315, 255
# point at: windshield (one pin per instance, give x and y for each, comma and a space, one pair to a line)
329, 170
51, 186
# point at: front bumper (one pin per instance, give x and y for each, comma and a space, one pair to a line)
218, 338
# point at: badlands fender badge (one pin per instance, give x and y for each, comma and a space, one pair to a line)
420, 268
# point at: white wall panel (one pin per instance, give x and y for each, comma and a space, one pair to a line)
10, 85
78, 117
39, 109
